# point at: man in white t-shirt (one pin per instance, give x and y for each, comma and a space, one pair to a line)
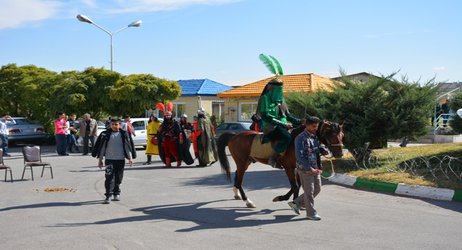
6, 120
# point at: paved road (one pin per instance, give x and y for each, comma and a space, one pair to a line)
193, 208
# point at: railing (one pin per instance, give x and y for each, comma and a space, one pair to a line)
440, 122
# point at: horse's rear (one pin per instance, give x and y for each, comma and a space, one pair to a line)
239, 146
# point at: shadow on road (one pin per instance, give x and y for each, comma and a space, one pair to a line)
204, 217
52, 204
253, 180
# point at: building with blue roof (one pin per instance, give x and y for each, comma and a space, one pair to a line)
200, 93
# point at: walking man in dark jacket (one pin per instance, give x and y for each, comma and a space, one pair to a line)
115, 145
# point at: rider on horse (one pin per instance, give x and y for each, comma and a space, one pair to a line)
275, 116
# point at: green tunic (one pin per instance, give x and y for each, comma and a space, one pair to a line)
206, 145
274, 115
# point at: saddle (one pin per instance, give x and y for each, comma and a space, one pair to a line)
259, 149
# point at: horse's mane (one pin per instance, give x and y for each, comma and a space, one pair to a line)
296, 131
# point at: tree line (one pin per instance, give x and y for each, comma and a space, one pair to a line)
38, 93
374, 111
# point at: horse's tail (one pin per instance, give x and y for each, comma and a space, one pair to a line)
222, 143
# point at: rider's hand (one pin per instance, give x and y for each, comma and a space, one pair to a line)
100, 164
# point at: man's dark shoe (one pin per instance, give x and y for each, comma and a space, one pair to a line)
107, 200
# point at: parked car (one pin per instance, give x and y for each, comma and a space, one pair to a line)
140, 126
26, 131
232, 127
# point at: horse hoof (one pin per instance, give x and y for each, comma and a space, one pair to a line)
278, 198
250, 204
237, 195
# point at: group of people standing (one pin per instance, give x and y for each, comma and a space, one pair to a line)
172, 140
67, 128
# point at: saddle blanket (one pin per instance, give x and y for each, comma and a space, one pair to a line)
259, 150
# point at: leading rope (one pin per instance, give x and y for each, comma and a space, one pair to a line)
329, 158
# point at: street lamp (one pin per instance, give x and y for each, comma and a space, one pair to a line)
85, 19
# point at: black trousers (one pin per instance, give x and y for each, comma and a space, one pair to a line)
86, 140
114, 176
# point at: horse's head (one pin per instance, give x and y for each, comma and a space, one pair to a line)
331, 135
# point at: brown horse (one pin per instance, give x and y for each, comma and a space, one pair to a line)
240, 147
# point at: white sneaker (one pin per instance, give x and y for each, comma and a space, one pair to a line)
116, 197
314, 217
294, 207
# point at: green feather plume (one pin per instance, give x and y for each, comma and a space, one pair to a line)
278, 65
272, 64
268, 63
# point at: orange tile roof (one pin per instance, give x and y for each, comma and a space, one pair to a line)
292, 83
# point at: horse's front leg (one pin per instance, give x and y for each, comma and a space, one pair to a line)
290, 172
293, 190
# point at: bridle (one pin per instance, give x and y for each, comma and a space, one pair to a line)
335, 127
322, 131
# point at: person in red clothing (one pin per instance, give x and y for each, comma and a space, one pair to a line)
171, 134
194, 135
60, 133
127, 125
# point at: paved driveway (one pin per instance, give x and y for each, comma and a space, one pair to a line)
193, 208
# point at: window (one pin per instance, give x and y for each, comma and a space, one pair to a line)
233, 126
217, 110
246, 110
178, 109
138, 125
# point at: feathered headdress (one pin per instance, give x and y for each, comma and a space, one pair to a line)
272, 64
160, 106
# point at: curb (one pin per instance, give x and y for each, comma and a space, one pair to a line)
444, 194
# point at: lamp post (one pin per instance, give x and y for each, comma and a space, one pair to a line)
85, 19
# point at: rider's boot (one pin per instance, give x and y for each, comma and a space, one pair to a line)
273, 160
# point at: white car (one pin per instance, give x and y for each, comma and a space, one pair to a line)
140, 126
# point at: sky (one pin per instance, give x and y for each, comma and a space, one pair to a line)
222, 39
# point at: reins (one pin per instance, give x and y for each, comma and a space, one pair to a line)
329, 158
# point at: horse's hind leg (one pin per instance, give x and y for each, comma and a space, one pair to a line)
238, 186
236, 190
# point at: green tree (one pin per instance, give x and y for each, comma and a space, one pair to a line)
38, 93
374, 111
135, 93
26, 90
70, 93
99, 82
